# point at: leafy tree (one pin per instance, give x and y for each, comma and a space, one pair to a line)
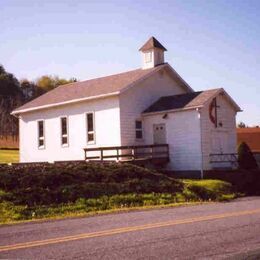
241, 125
246, 159
11, 96
28, 88
14, 93
47, 83
9, 85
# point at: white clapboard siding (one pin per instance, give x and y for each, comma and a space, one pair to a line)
227, 116
134, 101
107, 130
183, 137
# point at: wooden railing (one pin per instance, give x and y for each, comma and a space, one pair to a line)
135, 152
223, 158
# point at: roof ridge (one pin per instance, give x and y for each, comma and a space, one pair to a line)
112, 75
96, 87
102, 77
181, 101
189, 93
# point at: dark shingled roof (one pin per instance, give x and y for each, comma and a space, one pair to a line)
188, 100
152, 43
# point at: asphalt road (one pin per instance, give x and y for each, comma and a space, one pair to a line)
212, 231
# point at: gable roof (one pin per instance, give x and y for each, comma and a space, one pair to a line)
250, 135
185, 101
152, 43
89, 89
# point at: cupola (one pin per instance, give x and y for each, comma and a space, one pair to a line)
152, 53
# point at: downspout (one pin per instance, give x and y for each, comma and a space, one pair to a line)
201, 146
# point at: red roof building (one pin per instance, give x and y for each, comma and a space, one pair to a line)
250, 135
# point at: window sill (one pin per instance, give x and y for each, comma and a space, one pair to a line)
91, 143
139, 139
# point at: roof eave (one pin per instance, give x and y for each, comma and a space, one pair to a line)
222, 90
150, 48
17, 112
180, 78
238, 108
170, 111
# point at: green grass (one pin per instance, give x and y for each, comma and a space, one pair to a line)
55, 191
195, 191
216, 186
9, 156
12, 213
211, 189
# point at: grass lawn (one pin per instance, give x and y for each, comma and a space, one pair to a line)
9, 156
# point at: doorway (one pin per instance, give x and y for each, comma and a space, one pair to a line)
219, 142
159, 134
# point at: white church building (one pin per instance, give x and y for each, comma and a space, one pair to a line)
150, 113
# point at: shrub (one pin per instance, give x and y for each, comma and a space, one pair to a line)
243, 181
207, 189
56, 184
246, 159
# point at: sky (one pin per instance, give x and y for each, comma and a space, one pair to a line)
210, 43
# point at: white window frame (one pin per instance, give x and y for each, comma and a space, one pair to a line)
148, 56
94, 128
64, 135
139, 129
41, 147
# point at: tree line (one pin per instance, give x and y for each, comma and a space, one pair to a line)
14, 93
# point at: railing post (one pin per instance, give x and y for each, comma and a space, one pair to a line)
152, 152
101, 154
117, 153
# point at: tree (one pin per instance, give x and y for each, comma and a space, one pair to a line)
11, 96
47, 83
14, 93
246, 159
9, 85
28, 88
241, 125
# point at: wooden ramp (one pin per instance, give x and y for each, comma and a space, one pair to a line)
139, 154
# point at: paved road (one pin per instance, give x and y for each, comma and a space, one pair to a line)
212, 231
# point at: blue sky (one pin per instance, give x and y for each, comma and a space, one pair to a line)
210, 43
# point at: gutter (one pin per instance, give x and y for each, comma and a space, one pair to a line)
16, 112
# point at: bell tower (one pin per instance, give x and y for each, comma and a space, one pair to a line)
152, 53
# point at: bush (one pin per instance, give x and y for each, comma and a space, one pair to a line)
243, 181
246, 159
207, 190
56, 184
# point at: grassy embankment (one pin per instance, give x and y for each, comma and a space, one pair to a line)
28, 193
9, 156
